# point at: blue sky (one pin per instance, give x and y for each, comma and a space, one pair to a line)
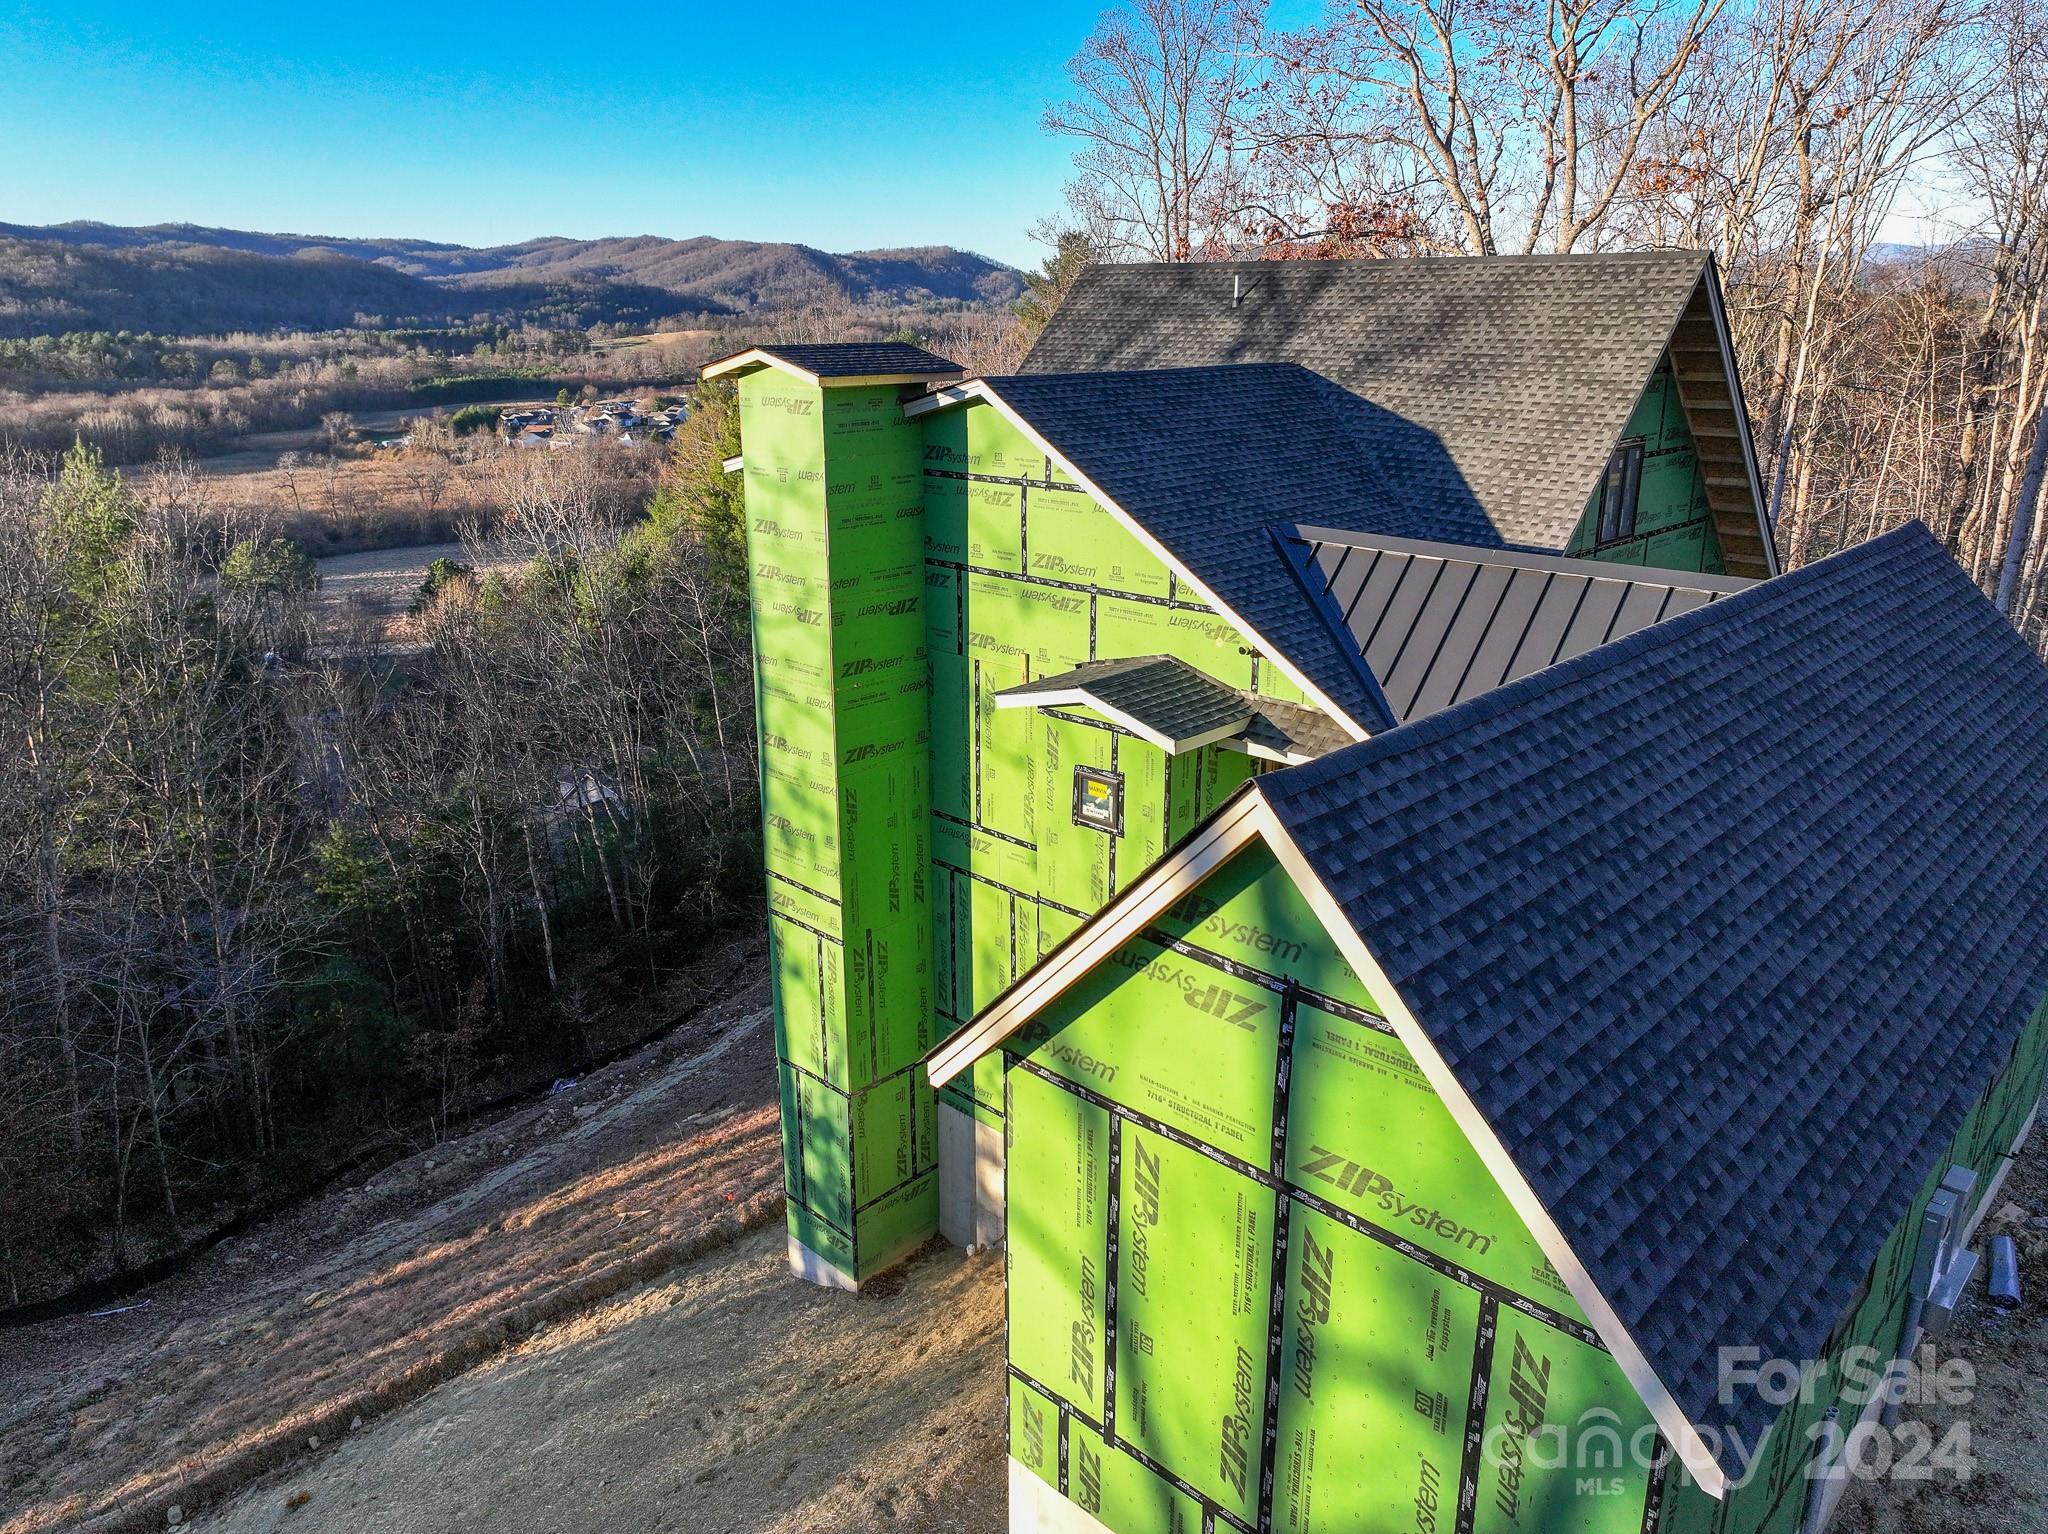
844, 125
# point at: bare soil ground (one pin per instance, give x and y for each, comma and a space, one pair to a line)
367, 1297
2004, 1482
726, 1398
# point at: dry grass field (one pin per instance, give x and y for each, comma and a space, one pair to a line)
354, 503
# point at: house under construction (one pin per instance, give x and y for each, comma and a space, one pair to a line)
1116, 716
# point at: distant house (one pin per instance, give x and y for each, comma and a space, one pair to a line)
511, 422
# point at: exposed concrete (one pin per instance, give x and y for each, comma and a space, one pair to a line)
1036, 1508
813, 1269
970, 1179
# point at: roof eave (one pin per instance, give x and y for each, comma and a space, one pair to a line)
1686, 1439
1081, 697
1710, 278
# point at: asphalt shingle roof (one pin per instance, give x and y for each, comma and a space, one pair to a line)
1163, 692
1293, 733
1173, 699
1724, 926
1499, 384
860, 359
1439, 623
1207, 460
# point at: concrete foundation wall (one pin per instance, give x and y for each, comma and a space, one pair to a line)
1035, 1508
970, 1179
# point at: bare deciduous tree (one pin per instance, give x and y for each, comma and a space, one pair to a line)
1157, 92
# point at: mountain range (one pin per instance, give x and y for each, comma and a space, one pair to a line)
189, 279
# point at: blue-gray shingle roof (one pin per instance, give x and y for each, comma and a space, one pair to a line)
1208, 460
1724, 926
857, 359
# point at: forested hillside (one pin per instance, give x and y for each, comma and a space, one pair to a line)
183, 279
267, 905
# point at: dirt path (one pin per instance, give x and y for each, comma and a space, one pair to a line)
366, 1298
725, 1399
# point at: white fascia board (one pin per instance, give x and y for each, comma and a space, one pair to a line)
750, 359
940, 399
1124, 918
1245, 819
1261, 753
978, 389
1081, 697
1677, 1427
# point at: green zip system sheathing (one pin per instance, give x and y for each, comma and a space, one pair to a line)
834, 542
1027, 576
898, 795
923, 847
1674, 528
1259, 1279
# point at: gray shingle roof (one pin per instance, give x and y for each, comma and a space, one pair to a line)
1289, 732
857, 359
1180, 704
1206, 460
1167, 695
1519, 372
1724, 926
1438, 623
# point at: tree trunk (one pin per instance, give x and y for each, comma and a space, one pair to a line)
2023, 515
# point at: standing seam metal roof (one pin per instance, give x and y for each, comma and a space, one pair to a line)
1439, 624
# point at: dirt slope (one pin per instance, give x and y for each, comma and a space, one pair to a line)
725, 1399
1991, 1471
368, 1297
